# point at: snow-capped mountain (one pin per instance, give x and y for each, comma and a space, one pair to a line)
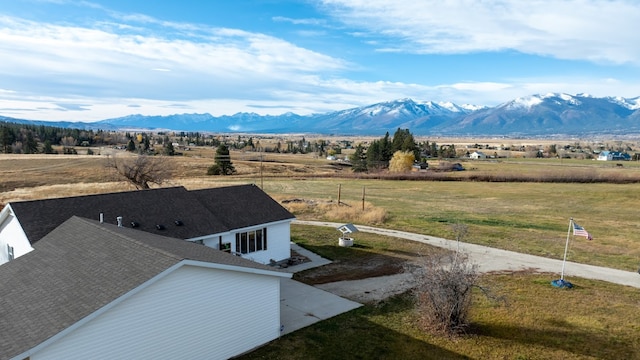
386, 116
552, 113
535, 115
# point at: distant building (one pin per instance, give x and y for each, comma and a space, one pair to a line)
613, 156
477, 155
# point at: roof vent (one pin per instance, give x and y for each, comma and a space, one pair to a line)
178, 222
160, 227
134, 224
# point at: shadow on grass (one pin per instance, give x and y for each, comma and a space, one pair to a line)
569, 338
354, 336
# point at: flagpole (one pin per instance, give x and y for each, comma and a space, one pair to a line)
566, 247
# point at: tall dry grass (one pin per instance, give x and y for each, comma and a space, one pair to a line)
334, 211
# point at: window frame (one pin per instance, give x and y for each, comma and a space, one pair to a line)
251, 241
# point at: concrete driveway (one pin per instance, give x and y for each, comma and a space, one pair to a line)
491, 259
302, 305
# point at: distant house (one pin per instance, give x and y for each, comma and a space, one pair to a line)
242, 220
92, 290
477, 155
613, 156
420, 166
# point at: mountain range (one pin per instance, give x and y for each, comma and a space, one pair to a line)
551, 114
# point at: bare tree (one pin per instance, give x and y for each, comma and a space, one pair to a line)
142, 170
460, 231
444, 291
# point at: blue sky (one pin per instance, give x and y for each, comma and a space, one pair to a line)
92, 60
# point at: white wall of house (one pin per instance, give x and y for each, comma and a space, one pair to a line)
192, 313
278, 242
11, 234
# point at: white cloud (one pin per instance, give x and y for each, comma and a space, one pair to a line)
75, 61
600, 31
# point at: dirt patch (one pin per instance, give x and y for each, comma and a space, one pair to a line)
367, 267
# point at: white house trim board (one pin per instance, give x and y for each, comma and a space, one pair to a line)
187, 301
11, 234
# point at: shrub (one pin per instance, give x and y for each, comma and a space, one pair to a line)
214, 169
444, 291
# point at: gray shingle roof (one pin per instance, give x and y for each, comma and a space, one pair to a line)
78, 268
242, 206
201, 212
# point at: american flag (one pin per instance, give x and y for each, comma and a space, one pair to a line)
580, 231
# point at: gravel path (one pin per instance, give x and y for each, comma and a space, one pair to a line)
488, 260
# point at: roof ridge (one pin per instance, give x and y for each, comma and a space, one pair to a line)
98, 194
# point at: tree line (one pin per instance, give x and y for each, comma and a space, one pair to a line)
397, 153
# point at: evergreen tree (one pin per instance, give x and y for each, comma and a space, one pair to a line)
358, 160
374, 156
131, 146
48, 149
30, 145
223, 165
386, 149
7, 137
168, 148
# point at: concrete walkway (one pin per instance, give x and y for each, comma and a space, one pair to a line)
302, 305
491, 259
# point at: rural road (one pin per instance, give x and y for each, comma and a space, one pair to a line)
491, 259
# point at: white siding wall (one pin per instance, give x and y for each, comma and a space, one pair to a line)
11, 234
192, 313
278, 243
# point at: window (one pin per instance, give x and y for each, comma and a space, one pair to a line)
251, 241
226, 247
10, 253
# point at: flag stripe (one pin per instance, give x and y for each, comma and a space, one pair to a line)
580, 231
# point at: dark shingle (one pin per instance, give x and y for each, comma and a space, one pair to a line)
147, 208
241, 206
78, 268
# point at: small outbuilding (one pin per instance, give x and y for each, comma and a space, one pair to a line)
477, 155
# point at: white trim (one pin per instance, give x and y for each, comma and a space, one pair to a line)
238, 230
210, 236
243, 269
258, 226
139, 288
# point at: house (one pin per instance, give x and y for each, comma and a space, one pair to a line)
242, 220
477, 155
613, 156
420, 166
91, 290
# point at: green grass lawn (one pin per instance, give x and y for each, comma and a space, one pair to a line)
593, 321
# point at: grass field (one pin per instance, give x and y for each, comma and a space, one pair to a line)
529, 217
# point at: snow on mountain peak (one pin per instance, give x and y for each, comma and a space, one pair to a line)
525, 102
631, 104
